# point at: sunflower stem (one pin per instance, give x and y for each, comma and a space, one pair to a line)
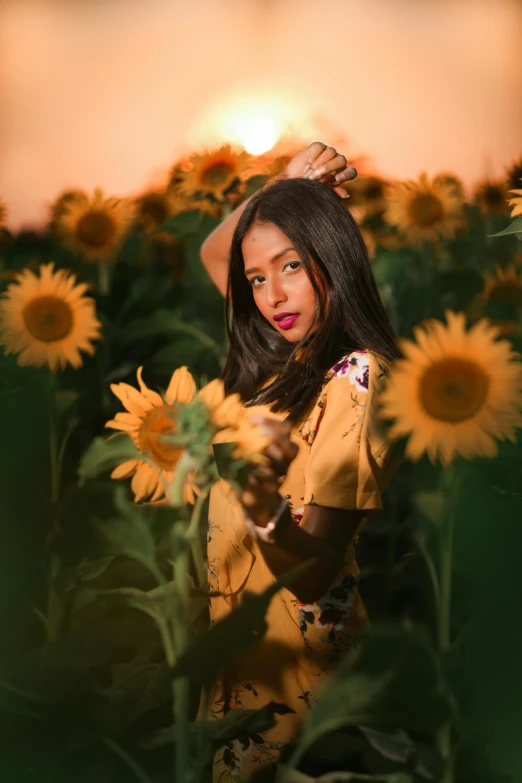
181, 638
194, 539
54, 452
444, 615
104, 279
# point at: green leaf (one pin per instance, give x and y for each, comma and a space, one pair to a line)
103, 455
431, 505
286, 775
130, 534
86, 571
182, 225
254, 184
391, 682
237, 632
217, 733
399, 747
177, 353
515, 227
169, 322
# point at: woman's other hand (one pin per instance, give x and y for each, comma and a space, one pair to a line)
260, 496
324, 164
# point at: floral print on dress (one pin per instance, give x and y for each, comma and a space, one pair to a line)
356, 367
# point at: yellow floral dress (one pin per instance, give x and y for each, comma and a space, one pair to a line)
343, 462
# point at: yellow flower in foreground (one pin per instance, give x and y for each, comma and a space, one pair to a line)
455, 391
424, 210
94, 226
490, 196
148, 418
47, 319
213, 173
516, 203
232, 423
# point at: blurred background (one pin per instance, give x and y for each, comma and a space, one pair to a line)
108, 92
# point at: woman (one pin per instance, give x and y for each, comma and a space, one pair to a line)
309, 340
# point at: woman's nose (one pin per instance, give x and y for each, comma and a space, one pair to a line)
275, 293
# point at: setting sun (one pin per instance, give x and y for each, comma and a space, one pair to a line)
257, 132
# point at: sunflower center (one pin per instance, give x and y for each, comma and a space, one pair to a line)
155, 209
374, 191
453, 390
493, 196
48, 318
95, 228
157, 423
216, 173
426, 210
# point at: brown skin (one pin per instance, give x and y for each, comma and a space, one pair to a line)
282, 285
278, 279
323, 533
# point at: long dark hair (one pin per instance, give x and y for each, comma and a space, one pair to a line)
349, 314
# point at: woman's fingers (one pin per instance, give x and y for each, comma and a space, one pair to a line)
325, 158
347, 174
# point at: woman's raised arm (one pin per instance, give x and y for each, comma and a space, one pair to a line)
317, 161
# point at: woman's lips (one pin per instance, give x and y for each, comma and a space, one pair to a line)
286, 321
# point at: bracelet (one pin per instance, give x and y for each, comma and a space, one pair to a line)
275, 529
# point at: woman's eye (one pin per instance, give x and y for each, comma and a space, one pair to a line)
255, 282
292, 265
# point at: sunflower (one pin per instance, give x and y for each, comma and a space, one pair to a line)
94, 227
213, 173
232, 424
447, 178
424, 210
455, 391
516, 203
491, 196
514, 173
64, 200
154, 207
148, 417
47, 319
368, 192
505, 288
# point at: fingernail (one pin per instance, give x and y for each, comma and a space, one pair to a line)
339, 177
315, 174
306, 170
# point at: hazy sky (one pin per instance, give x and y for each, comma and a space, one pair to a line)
110, 92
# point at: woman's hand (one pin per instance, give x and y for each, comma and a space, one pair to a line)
260, 496
322, 163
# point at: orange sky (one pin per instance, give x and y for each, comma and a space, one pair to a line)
110, 92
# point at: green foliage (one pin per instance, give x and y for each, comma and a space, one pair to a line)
392, 682
515, 228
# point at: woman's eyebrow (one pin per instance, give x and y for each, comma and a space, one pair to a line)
274, 258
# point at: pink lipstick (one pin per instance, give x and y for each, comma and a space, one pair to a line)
286, 320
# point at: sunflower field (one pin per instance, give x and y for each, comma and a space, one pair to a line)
113, 338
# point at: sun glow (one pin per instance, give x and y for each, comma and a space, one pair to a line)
257, 132
255, 123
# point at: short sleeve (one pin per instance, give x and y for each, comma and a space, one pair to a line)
349, 460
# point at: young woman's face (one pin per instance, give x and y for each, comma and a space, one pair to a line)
281, 287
